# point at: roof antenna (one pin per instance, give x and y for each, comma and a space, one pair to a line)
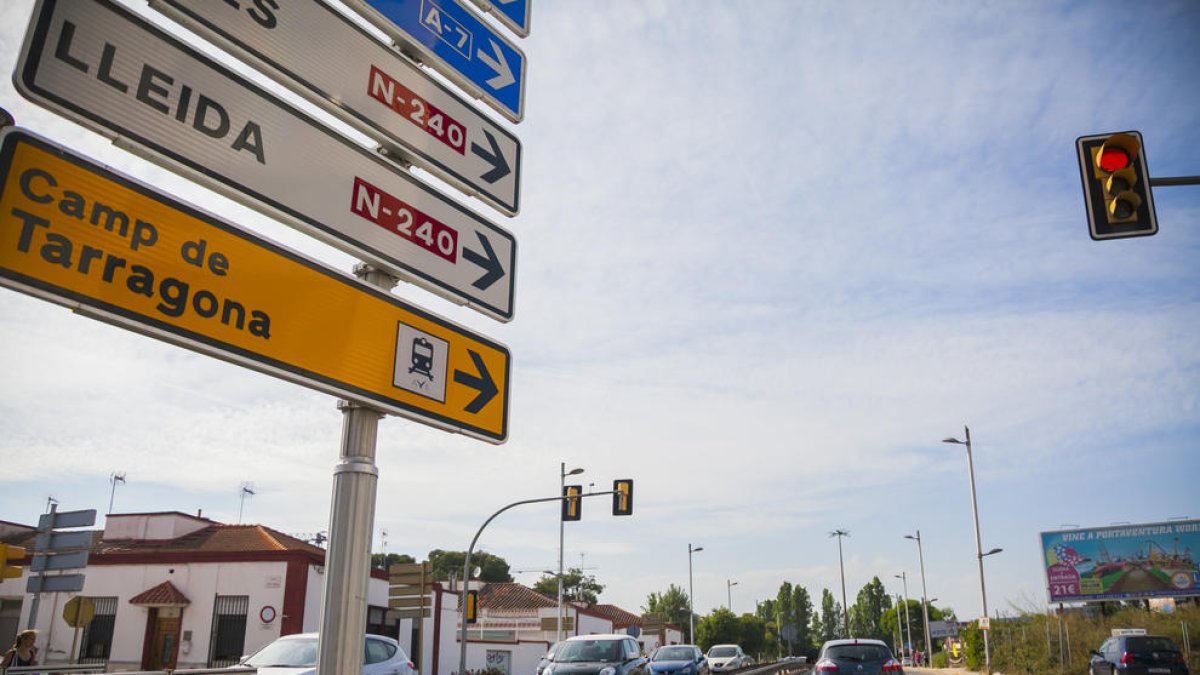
114, 478
247, 491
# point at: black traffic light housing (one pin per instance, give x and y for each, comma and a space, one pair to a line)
1116, 186
9, 553
572, 506
623, 497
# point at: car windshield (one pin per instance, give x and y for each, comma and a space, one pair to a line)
860, 653
674, 654
293, 653
720, 652
581, 651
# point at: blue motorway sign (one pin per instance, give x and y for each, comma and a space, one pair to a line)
457, 43
514, 14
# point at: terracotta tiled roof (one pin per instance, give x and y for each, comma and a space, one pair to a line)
162, 595
619, 617
508, 597
214, 538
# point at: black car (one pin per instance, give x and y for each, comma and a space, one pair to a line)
1138, 655
597, 655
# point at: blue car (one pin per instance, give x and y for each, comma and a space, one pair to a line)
678, 660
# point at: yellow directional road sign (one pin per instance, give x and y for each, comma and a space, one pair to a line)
76, 233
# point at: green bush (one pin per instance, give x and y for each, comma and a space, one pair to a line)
1039, 643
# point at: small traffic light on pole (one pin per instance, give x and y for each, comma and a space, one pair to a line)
623, 497
572, 506
1116, 186
9, 552
471, 609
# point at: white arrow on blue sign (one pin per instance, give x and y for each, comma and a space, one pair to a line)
457, 43
514, 14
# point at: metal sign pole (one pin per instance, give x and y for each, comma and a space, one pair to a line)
351, 521
37, 594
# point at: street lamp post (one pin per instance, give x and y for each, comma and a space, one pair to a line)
691, 602
987, 656
842, 566
563, 473
903, 576
729, 593
924, 592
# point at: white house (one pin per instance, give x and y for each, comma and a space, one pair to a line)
171, 590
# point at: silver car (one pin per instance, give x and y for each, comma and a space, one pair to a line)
297, 655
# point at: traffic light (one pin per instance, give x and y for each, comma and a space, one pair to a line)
10, 552
1116, 186
572, 506
623, 497
471, 609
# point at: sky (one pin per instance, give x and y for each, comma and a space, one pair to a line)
770, 255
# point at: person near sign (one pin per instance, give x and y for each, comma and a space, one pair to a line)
23, 652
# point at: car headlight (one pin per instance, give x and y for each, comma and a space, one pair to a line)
548, 670
609, 670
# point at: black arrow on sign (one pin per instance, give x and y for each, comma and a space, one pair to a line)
482, 383
495, 158
488, 260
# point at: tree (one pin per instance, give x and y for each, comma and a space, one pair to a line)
752, 635
449, 564
385, 561
802, 609
867, 613
720, 627
576, 587
672, 604
830, 625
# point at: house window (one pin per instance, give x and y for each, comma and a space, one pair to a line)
228, 630
98, 634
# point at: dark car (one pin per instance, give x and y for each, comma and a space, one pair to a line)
597, 655
859, 657
1138, 655
678, 660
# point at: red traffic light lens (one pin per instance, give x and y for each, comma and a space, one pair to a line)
1112, 159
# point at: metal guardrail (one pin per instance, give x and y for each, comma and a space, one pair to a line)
54, 670
101, 668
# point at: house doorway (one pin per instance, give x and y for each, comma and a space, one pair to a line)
163, 629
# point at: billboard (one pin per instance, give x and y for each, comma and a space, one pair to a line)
1154, 560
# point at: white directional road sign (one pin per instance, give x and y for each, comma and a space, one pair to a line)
514, 14
370, 86
102, 66
457, 43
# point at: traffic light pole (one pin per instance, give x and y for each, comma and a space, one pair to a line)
462, 637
